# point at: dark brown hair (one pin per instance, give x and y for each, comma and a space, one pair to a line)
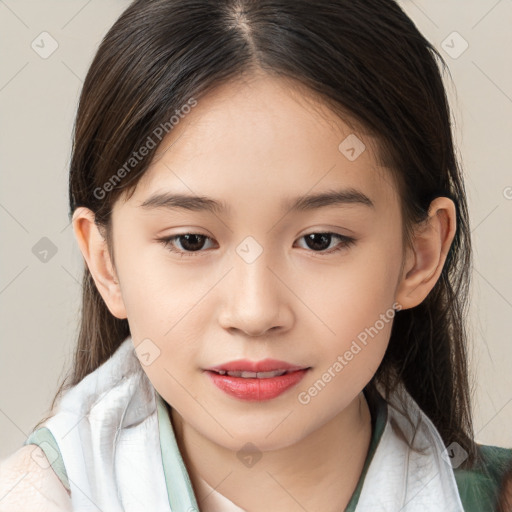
369, 63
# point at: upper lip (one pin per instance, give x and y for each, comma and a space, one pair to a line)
265, 365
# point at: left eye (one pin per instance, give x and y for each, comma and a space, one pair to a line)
194, 242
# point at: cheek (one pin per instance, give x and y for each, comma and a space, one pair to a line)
163, 304
352, 294
354, 304
156, 291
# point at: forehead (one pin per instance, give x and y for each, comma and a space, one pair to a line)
263, 140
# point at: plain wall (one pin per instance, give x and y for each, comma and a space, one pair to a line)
39, 300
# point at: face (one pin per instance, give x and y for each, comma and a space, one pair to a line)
313, 286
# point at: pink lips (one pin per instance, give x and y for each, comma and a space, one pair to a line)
265, 365
256, 389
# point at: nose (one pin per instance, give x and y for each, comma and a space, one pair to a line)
255, 299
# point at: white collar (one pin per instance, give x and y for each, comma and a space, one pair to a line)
110, 426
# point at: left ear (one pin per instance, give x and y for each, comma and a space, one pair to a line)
424, 262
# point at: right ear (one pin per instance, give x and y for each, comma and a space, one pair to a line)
95, 252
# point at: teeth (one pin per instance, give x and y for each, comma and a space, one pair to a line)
253, 375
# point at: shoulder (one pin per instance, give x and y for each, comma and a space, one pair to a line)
28, 482
489, 480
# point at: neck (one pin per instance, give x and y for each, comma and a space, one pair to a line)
320, 472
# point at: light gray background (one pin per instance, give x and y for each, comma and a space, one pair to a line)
39, 301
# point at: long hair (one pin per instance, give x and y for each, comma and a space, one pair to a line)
369, 63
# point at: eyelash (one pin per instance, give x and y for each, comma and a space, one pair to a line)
346, 242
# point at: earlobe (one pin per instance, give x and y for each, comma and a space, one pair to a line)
95, 252
425, 261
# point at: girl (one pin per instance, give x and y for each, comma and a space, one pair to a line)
277, 254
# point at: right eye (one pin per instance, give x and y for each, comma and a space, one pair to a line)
191, 243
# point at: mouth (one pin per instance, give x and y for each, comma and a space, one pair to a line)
256, 386
255, 375
264, 369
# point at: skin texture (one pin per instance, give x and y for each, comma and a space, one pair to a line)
252, 144
28, 483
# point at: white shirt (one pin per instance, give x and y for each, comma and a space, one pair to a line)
115, 437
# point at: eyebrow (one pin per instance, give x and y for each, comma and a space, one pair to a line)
302, 203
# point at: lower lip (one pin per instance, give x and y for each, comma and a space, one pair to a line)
256, 390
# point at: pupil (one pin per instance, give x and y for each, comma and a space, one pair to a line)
193, 238
324, 237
